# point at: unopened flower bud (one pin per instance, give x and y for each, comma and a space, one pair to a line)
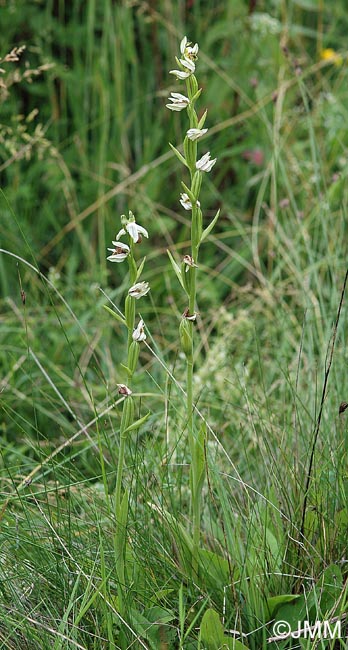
185, 337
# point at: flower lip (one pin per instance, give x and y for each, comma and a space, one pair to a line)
139, 290
205, 164
119, 253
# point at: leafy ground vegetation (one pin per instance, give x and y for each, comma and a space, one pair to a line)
84, 138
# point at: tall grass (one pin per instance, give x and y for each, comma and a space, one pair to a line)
268, 305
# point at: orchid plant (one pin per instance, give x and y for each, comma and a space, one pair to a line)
187, 271
136, 335
186, 274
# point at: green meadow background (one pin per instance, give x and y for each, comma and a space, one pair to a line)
84, 136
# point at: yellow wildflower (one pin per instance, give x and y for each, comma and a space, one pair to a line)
329, 54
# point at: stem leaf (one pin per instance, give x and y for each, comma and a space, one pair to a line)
120, 537
117, 316
177, 270
209, 228
178, 155
140, 269
189, 193
137, 424
202, 120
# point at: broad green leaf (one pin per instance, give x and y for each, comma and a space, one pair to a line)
212, 634
330, 583
212, 631
274, 549
158, 615
293, 613
215, 567
275, 602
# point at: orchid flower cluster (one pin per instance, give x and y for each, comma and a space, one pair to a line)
187, 271
136, 335
120, 252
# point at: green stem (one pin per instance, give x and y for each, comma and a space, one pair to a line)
189, 403
120, 532
121, 525
118, 489
195, 492
195, 240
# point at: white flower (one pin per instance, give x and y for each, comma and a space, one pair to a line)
189, 316
134, 231
188, 51
178, 102
123, 390
194, 134
180, 74
205, 164
189, 262
119, 253
186, 203
189, 54
139, 290
139, 332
